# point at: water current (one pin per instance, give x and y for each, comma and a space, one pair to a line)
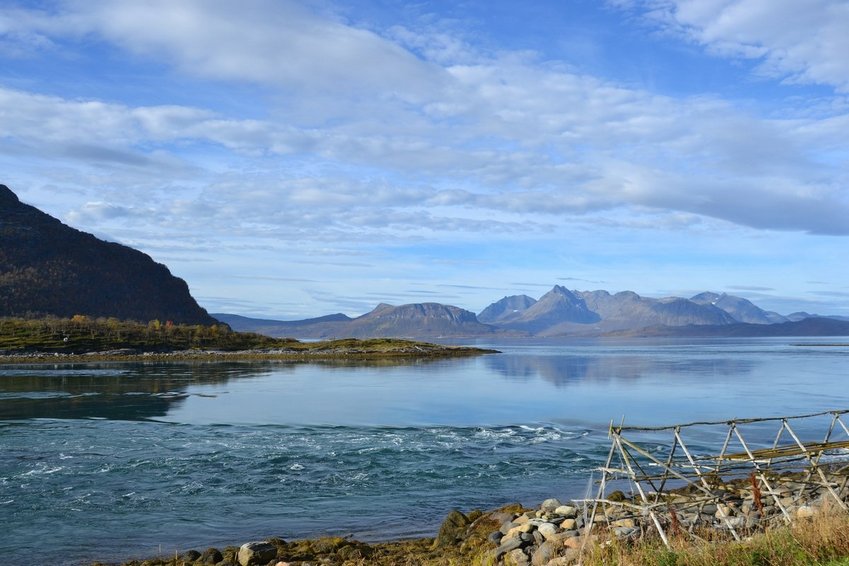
117, 461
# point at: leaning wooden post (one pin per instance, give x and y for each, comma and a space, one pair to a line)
669, 461
722, 513
603, 484
588, 527
825, 482
639, 487
761, 475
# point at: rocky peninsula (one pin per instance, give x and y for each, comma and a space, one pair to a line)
353, 351
83, 339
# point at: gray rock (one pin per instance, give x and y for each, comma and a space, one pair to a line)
550, 505
559, 538
211, 556
190, 556
508, 544
628, 523
257, 553
517, 558
538, 538
547, 530
452, 530
544, 554
570, 556
495, 537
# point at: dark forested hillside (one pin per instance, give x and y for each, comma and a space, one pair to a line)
48, 268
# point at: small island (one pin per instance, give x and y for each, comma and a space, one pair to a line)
81, 338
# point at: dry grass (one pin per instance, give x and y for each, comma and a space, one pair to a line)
822, 540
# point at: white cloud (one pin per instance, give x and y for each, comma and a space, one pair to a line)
102, 210
803, 42
471, 133
283, 43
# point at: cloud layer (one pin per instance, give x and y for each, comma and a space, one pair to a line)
322, 125
798, 42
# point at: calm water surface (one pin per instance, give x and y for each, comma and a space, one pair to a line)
113, 461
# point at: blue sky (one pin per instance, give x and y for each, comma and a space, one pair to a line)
294, 159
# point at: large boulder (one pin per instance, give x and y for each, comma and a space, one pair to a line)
452, 531
256, 553
211, 556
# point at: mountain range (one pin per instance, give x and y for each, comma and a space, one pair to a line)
48, 268
558, 313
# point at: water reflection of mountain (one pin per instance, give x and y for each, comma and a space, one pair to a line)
110, 391
563, 370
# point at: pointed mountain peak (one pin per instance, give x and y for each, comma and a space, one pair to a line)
382, 307
558, 306
560, 291
506, 308
561, 294
707, 297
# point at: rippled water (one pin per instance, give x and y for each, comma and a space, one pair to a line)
113, 461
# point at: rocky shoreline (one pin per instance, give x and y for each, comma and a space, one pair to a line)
555, 533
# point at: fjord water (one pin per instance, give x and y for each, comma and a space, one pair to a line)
114, 461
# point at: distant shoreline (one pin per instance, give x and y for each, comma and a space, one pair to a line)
361, 351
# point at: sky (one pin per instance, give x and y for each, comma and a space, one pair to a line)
293, 159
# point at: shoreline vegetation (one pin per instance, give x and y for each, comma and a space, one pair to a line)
82, 339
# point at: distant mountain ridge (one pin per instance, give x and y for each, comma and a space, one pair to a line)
560, 312
48, 268
557, 307
423, 320
505, 308
741, 309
